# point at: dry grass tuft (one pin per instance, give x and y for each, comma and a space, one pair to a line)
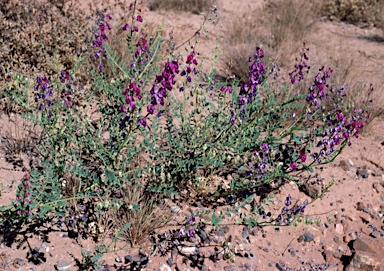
194, 6
140, 210
278, 27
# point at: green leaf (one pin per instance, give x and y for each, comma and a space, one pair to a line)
215, 219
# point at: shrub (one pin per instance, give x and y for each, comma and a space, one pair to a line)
33, 34
194, 6
279, 26
359, 12
143, 144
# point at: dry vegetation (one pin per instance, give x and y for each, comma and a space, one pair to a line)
279, 27
360, 12
194, 6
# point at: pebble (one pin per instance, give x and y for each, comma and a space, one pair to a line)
128, 259
63, 265
376, 234
230, 268
248, 266
339, 229
360, 206
45, 245
175, 209
18, 262
244, 234
362, 172
308, 237
253, 231
165, 267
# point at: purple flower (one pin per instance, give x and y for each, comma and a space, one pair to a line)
143, 122
126, 27
139, 19
151, 109
264, 147
191, 233
181, 232
288, 201
302, 155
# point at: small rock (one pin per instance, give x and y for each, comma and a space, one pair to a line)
251, 255
18, 262
203, 236
218, 239
311, 190
63, 265
344, 164
175, 209
225, 229
248, 266
244, 234
308, 237
188, 251
329, 258
170, 262
253, 231
230, 268
366, 230
118, 260
360, 206
377, 187
339, 229
279, 267
128, 259
165, 267
45, 246
375, 234
362, 172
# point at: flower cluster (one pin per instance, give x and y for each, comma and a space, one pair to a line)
100, 36
189, 230
321, 96
24, 196
67, 92
43, 93
163, 82
287, 214
189, 70
298, 73
131, 93
142, 46
257, 74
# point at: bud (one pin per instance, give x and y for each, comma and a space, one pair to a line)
237, 159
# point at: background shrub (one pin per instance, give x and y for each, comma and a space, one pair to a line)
278, 26
194, 6
360, 12
38, 37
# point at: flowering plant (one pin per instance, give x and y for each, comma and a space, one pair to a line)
165, 124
